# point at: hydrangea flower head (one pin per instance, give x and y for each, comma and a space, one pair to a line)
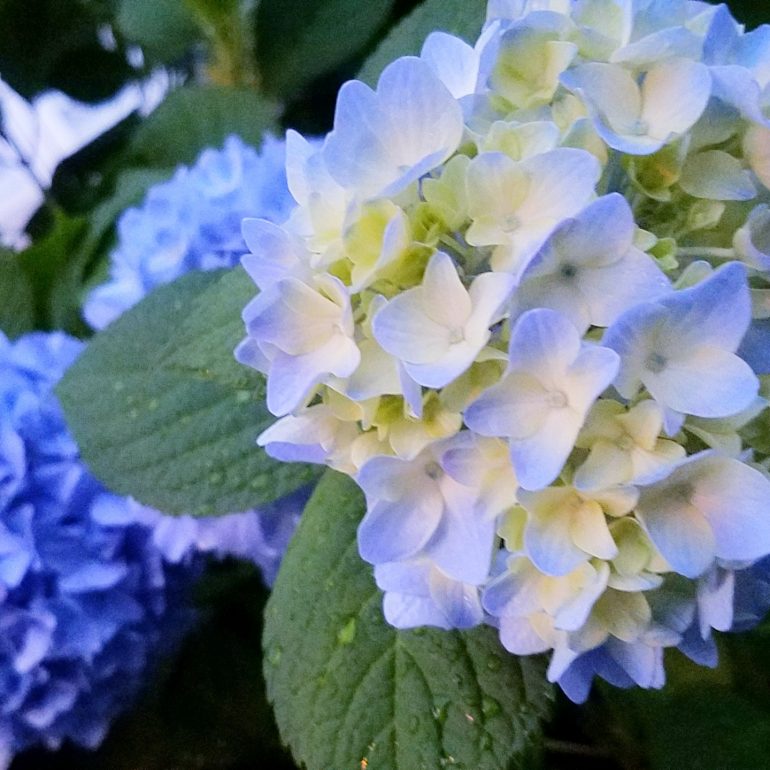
87, 601
545, 356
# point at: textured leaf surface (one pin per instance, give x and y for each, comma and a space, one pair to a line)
195, 117
155, 421
298, 40
351, 692
203, 344
463, 18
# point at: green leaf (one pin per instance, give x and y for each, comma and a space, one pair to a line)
17, 312
699, 725
195, 117
463, 18
157, 422
54, 265
229, 28
165, 29
347, 687
47, 44
203, 345
299, 40
707, 728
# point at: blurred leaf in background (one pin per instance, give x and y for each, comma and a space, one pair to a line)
195, 117
52, 44
54, 265
299, 40
462, 18
702, 719
164, 29
228, 26
17, 310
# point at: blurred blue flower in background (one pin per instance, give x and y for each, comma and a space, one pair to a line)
87, 600
192, 222
258, 535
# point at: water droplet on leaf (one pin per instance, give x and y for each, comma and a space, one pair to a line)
274, 655
489, 707
439, 713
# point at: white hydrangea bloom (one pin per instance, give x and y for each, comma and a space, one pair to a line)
513, 303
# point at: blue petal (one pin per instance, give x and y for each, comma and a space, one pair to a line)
392, 531
755, 348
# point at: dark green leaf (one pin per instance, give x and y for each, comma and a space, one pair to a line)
195, 117
749, 12
702, 727
298, 40
158, 422
165, 29
17, 312
703, 719
54, 265
53, 44
352, 692
204, 342
458, 17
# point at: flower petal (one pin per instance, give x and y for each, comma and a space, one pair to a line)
392, 531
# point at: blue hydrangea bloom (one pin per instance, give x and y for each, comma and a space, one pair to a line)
193, 222
86, 605
258, 535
